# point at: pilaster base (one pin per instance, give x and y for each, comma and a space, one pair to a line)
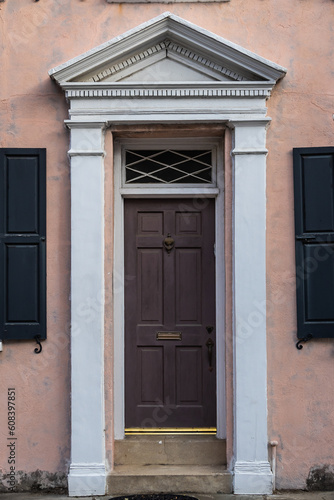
253, 478
86, 480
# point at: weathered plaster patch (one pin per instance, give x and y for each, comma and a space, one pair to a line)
37, 481
321, 478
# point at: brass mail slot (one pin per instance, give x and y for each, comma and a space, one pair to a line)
169, 336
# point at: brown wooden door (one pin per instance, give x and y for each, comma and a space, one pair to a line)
170, 369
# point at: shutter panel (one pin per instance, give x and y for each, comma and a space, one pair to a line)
314, 226
22, 243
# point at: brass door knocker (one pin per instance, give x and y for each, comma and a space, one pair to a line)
169, 243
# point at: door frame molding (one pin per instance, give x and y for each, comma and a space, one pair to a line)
250, 465
164, 191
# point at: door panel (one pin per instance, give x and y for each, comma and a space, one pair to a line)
188, 375
150, 292
151, 361
188, 285
169, 302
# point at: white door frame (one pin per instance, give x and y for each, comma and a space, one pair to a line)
170, 191
251, 468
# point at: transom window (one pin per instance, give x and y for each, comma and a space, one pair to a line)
169, 162
168, 166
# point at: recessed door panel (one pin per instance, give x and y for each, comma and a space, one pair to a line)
188, 285
188, 223
189, 388
151, 369
150, 223
150, 289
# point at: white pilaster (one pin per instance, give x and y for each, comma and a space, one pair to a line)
87, 474
252, 474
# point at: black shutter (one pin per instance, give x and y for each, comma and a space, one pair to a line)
22, 243
314, 226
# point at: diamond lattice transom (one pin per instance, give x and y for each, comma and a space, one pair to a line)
168, 166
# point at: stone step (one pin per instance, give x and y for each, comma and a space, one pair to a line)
134, 480
170, 450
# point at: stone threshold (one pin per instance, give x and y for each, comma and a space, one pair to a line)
144, 479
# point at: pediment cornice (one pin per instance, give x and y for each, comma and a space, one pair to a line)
168, 90
168, 36
165, 49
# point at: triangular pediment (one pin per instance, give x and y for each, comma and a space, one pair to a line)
168, 49
165, 68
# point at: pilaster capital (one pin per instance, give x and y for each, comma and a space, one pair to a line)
87, 138
87, 125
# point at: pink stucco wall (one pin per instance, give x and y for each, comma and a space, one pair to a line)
297, 35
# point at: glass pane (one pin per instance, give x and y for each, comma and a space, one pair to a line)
168, 166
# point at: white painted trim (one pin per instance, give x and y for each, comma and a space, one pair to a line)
120, 282
86, 480
169, 192
162, 50
118, 297
252, 478
220, 294
254, 151
206, 90
78, 152
171, 26
251, 470
87, 471
250, 406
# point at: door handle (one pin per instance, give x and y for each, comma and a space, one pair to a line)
209, 344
